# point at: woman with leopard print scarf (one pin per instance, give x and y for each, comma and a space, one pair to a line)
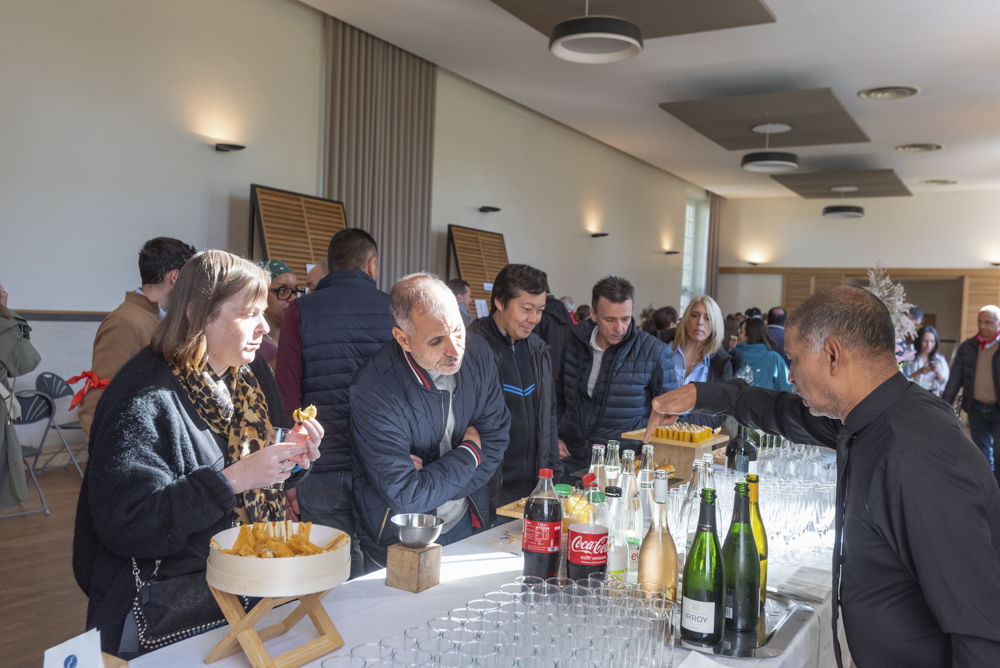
176, 450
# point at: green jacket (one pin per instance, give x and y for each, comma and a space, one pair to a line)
17, 357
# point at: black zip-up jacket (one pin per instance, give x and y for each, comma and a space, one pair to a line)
633, 372
544, 398
919, 511
553, 328
396, 411
963, 374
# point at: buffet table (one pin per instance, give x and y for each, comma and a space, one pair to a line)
366, 610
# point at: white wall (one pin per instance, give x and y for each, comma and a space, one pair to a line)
738, 292
947, 230
107, 111
554, 187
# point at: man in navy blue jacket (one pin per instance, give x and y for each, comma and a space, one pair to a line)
610, 372
326, 336
428, 421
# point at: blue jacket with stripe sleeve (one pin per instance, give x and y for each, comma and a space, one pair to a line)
396, 411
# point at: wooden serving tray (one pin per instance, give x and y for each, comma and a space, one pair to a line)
512, 509
679, 454
638, 434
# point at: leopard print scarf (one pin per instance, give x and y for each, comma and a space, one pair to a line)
242, 417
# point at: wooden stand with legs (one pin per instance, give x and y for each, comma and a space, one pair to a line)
242, 634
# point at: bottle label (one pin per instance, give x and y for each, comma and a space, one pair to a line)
541, 536
752, 467
698, 616
742, 463
588, 544
633, 554
730, 603
617, 561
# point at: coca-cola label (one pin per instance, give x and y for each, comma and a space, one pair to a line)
541, 536
588, 544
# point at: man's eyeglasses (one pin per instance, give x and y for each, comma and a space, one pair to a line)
285, 293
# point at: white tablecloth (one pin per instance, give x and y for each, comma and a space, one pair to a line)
365, 610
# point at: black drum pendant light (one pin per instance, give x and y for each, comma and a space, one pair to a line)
767, 161
595, 39
843, 210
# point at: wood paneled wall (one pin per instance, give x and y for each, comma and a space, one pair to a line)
981, 287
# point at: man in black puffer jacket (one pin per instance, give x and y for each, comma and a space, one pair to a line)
326, 337
525, 370
554, 327
428, 421
609, 375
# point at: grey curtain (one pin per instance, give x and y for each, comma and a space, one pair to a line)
712, 259
380, 144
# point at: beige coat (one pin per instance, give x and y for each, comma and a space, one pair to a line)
127, 330
17, 357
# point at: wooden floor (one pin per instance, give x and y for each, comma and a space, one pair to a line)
40, 602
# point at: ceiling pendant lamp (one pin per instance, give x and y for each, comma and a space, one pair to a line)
843, 210
595, 39
767, 161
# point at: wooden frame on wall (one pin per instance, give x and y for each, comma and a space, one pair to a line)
980, 287
479, 257
293, 227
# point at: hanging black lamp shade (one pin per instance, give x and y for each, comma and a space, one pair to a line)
843, 211
596, 39
770, 162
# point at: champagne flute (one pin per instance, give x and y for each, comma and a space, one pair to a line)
276, 436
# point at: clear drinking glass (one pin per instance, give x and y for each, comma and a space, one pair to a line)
372, 651
274, 436
343, 661
413, 656
455, 659
437, 645
418, 633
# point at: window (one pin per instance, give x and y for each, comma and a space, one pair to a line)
695, 250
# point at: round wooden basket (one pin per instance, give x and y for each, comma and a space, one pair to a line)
289, 576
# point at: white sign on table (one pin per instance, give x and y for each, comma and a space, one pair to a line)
482, 308
83, 651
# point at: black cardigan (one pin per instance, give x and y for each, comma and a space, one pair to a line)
152, 488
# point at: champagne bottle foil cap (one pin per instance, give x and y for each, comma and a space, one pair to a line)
545, 473
613, 491
661, 489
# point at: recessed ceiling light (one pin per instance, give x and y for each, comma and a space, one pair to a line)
919, 148
938, 182
770, 162
888, 92
771, 128
595, 39
845, 189
843, 211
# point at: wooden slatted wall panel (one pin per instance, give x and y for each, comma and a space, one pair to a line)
821, 281
297, 228
795, 289
480, 257
979, 291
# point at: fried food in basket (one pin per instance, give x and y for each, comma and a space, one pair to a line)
682, 431
303, 414
277, 540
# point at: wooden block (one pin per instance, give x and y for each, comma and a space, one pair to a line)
113, 661
413, 569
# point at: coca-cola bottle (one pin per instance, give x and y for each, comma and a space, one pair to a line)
588, 534
542, 536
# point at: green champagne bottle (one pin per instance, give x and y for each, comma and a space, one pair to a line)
742, 565
704, 590
760, 536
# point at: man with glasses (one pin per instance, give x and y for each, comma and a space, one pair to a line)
328, 334
284, 289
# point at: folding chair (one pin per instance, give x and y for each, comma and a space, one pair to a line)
55, 388
35, 407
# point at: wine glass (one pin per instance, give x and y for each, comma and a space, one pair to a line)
277, 435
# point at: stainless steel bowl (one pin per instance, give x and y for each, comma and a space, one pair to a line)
416, 529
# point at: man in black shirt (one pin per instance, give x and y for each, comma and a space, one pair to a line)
525, 370
918, 510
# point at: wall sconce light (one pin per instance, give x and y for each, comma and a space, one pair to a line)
671, 252
752, 264
229, 148
489, 209
598, 235
995, 264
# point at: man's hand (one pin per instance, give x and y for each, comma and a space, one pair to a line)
292, 511
667, 407
563, 450
472, 434
417, 461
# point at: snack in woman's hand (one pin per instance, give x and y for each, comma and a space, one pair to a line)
270, 540
303, 414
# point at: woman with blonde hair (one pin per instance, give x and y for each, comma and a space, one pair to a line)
176, 456
698, 352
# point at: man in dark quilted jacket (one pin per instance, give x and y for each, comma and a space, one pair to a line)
429, 425
609, 374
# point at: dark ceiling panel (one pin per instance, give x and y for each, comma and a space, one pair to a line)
871, 183
816, 116
656, 18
